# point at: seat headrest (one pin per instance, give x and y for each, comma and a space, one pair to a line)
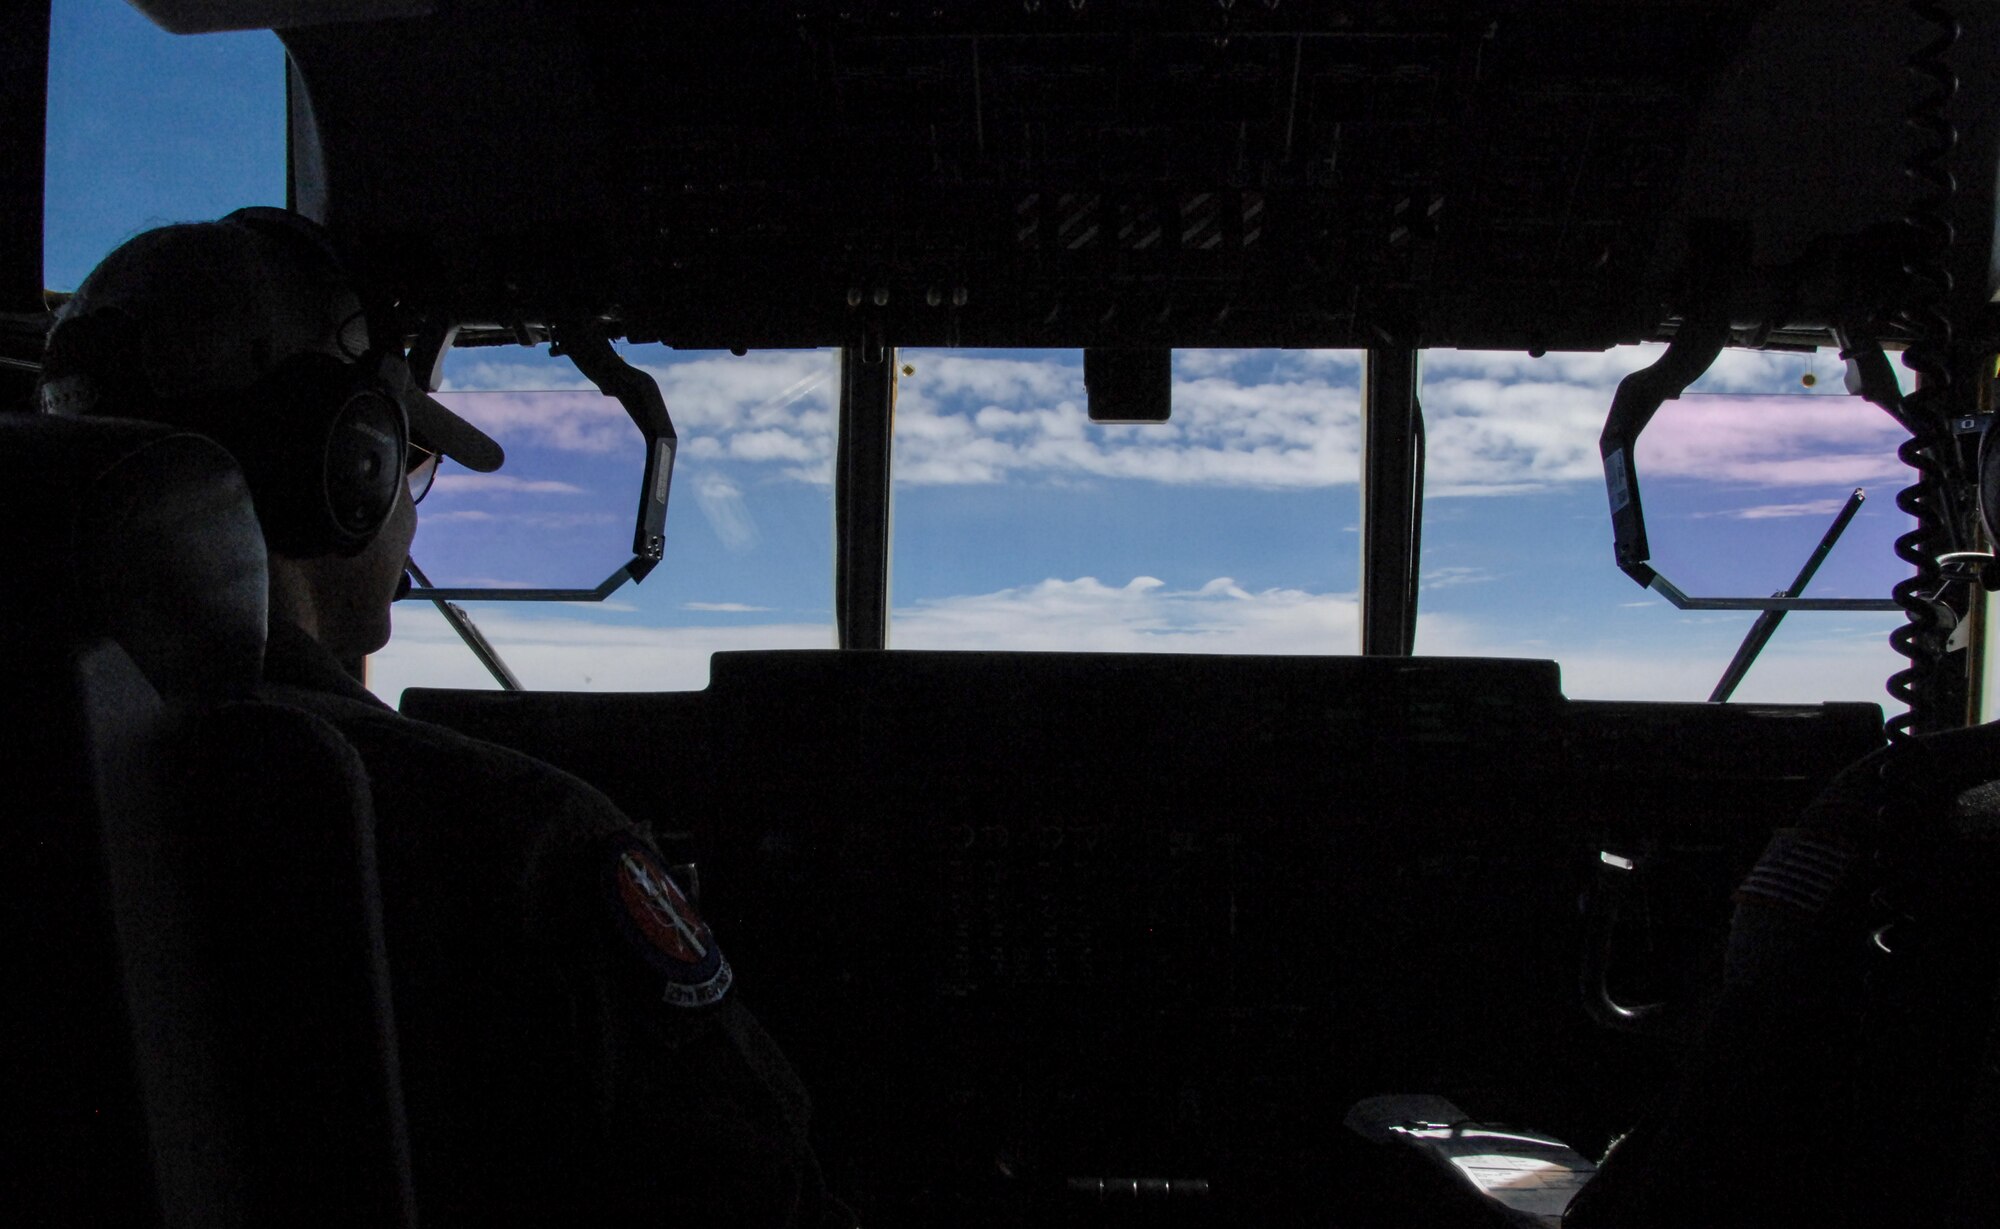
138, 532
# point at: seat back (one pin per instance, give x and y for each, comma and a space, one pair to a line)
200, 1028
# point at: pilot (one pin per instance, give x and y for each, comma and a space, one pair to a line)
573, 1048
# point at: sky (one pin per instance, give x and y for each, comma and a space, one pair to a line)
1017, 523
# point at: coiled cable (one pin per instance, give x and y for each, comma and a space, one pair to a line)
1931, 450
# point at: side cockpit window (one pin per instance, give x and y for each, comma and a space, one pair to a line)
749, 531
1742, 477
147, 128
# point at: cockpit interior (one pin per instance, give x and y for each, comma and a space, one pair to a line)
1066, 937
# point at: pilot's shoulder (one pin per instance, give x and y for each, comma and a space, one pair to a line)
408, 758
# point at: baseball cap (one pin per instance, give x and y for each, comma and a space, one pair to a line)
211, 308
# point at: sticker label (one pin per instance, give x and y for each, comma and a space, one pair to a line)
666, 463
660, 921
1614, 481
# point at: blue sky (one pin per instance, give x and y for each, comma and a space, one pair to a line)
1018, 524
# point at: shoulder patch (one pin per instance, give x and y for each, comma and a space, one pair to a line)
662, 925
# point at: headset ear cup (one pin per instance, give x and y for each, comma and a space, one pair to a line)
322, 444
362, 467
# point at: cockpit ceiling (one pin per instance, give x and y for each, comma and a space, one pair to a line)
1072, 172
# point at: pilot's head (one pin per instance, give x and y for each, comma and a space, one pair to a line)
250, 331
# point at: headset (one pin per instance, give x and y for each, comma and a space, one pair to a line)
323, 443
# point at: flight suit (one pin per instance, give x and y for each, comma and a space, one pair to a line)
572, 1046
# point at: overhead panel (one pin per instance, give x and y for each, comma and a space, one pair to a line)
1073, 174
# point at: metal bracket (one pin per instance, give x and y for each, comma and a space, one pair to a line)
587, 347
1869, 375
469, 632
590, 350
1760, 631
611, 584
1639, 397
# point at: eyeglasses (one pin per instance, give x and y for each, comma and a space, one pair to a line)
422, 471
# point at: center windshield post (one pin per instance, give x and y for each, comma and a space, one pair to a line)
1392, 496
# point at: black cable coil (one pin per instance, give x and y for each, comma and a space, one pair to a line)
1931, 451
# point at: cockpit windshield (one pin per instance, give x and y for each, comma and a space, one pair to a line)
1233, 527
1018, 523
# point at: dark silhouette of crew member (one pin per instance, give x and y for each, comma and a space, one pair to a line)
573, 1050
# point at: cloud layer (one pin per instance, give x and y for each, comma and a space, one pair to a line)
1141, 614
1496, 422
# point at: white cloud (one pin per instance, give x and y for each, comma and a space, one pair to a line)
1484, 436
1493, 427
1656, 658
526, 520
1583, 367
724, 607
1142, 615
793, 392
771, 444
721, 501
1669, 657
566, 653
521, 519
1302, 432
1762, 512
481, 371
458, 483
1451, 578
1782, 675
960, 419
564, 520
1197, 363
580, 421
993, 381
1498, 422
1792, 441
1734, 371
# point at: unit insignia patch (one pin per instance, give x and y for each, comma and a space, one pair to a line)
660, 921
